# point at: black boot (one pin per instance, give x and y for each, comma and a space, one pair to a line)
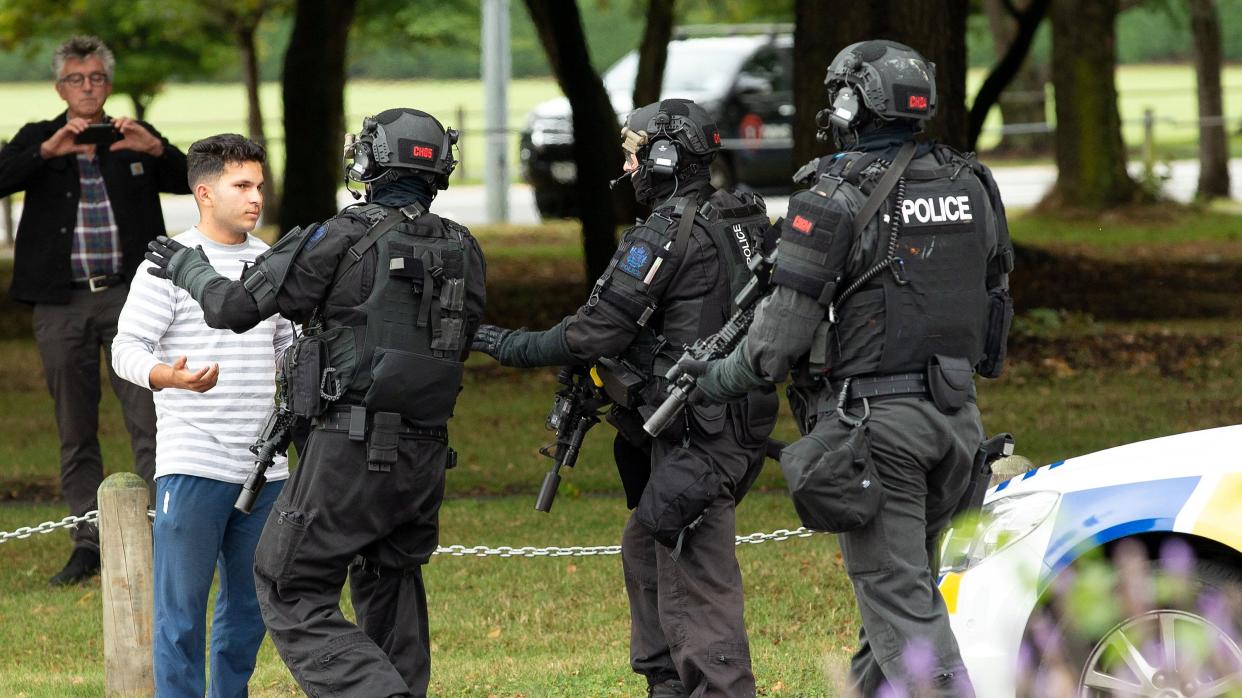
671, 688
83, 564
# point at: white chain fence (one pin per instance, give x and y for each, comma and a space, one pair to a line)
781, 534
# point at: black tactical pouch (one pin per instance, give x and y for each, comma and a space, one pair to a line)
949, 380
422, 389
382, 441
304, 364
680, 489
834, 489
622, 382
803, 403
996, 334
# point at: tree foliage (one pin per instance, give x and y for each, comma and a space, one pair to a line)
154, 40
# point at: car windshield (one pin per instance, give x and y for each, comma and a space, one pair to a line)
690, 68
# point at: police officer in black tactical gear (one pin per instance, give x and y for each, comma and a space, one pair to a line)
890, 291
670, 283
389, 296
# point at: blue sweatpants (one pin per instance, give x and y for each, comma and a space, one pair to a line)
197, 530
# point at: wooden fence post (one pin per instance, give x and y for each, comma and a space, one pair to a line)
127, 575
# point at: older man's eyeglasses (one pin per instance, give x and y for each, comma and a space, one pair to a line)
78, 79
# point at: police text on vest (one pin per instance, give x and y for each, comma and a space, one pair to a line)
938, 209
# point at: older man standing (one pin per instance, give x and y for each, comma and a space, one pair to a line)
92, 203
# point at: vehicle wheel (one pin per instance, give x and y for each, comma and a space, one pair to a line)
721, 172
1125, 628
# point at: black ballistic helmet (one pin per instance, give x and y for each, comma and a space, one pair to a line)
400, 139
678, 120
891, 80
674, 140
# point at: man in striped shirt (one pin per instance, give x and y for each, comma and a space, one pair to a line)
212, 388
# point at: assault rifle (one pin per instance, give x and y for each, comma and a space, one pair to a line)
575, 410
273, 439
682, 380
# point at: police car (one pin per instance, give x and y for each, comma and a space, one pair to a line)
1117, 573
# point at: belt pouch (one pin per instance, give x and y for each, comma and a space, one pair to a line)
996, 334
949, 381
305, 364
834, 488
382, 446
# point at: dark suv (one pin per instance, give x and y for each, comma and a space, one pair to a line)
742, 81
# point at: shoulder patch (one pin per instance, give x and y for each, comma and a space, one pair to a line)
636, 260
802, 225
316, 236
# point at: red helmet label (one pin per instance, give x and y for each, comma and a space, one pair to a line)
917, 102
422, 152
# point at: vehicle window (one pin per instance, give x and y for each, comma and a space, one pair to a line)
689, 69
765, 67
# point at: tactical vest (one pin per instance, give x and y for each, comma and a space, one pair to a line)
734, 225
933, 299
400, 350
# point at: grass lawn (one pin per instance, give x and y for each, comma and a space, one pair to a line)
558, 627
502, 627
187, 112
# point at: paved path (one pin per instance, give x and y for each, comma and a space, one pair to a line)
1021, 187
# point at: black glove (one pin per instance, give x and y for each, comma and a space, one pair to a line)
160, 252
488, 339
187, 268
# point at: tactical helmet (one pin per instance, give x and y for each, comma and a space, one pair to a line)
679, 121
892, 80
674, 140
400, 139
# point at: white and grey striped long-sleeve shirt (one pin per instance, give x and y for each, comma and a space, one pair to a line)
203, 434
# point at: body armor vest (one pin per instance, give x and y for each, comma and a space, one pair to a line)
400, 350
933, 298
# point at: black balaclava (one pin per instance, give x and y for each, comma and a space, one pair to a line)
404, 191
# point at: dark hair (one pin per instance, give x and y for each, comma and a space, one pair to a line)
207, 158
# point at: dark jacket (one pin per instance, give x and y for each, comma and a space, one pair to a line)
41, 268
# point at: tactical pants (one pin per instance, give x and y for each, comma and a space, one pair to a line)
923, 458
332, 511
686, 614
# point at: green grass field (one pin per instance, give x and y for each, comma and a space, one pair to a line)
559, 627
186, 112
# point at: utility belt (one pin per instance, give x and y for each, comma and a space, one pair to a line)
382, 432
948, 382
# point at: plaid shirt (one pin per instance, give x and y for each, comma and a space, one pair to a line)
96, 242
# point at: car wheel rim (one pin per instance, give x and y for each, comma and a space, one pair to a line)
1163, 654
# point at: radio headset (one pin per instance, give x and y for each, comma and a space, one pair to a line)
662, 155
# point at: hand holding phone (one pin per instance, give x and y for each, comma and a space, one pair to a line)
98, 134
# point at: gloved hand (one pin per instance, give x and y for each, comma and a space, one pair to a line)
187, 268
709, 386
489, 339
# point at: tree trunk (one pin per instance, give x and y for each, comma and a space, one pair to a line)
313, 91
1213, 145
821, 30
936, 29
653, 52
1090, 155
254, 115
597, 142
140, 102
1022, 99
